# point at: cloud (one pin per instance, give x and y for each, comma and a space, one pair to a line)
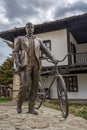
14, 9
16, 13
4, 51
25, 9
19, 12
69, 9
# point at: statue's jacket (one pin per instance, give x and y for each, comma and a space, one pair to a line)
21, 47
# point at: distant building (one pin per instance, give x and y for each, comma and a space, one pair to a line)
6, 91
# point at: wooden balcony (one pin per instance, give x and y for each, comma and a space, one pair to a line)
79, 58
78, 65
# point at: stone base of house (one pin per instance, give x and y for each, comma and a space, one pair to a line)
79, 101
16, 85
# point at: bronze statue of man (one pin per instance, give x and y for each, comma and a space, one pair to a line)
27, 50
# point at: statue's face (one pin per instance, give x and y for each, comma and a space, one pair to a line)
29, 29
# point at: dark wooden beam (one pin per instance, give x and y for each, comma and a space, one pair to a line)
69, 47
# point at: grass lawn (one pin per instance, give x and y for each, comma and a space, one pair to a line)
75, 109
78, 110
4, 100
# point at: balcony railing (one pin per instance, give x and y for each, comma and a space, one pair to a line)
79, 58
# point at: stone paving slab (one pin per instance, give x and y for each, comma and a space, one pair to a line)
48, 119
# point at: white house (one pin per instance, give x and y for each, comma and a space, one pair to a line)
76, 81
63, 36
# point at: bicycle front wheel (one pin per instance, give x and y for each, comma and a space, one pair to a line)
62, 96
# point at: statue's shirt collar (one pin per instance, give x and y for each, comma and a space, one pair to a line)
30, 37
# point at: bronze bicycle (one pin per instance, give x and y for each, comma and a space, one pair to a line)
61, 91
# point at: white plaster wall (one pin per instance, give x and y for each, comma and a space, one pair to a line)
46, 82
58, 44
79, 47
72, 39
82, 87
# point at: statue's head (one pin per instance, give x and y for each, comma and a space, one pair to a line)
29, 28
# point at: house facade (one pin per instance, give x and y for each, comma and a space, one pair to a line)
65, 36
76, 81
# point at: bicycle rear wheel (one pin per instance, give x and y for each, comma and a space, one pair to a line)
40, 96
38, 102
62, 96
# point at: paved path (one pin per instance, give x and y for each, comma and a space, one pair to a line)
48, 119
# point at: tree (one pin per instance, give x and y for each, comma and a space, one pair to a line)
6, 72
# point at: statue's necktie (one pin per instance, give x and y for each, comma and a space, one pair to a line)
31, 46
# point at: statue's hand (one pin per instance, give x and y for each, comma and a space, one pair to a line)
24, 66
55, 62
21, 67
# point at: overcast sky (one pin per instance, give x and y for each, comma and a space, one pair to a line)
16, 13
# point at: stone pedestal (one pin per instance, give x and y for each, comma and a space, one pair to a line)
16, 85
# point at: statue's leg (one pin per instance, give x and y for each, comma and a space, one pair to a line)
34, 88
24, 85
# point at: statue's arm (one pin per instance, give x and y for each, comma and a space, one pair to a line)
16, 51
47, 52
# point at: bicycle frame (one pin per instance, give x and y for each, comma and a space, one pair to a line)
61, 90
55, 70
54, 78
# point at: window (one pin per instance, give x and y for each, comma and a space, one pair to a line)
71, 83
47, 43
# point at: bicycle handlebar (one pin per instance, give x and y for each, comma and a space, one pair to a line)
63, 58
57, 60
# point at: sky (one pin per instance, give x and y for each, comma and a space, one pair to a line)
16, 13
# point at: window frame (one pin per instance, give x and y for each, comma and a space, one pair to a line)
46, 42
71, 83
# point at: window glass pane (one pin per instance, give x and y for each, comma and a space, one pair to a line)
71, 83
47, 43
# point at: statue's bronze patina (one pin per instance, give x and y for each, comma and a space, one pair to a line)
27, 50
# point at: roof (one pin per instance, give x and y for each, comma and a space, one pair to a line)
77, 25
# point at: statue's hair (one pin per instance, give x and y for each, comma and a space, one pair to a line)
29, 24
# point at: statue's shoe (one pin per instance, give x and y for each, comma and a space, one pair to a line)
33, 112
19, 110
